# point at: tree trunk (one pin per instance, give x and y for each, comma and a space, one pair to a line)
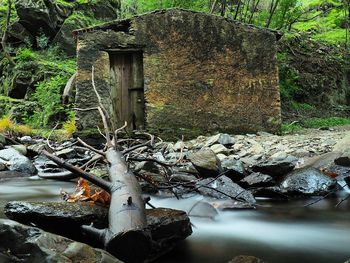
127, 236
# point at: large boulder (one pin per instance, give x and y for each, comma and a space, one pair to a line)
307, 181
276, 167
17, 162
22, 243
42, 17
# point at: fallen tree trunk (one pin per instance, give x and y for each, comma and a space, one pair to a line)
127, 236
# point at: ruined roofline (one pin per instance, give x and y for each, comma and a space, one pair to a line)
124, 25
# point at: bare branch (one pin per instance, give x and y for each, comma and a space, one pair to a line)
79, 172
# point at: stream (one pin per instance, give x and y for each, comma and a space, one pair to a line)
276, 231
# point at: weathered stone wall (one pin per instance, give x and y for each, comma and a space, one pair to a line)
202, 73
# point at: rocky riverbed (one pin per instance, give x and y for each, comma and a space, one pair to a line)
230, 171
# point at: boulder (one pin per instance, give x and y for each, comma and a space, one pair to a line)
168, 226
42, 17
234, 169
30, 244
276, 167
307, 181
206, 162
17, 161
223, 188
19, 32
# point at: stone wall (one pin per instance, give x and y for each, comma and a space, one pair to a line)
202, 73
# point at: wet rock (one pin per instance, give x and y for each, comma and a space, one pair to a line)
246, 259
219, 148
206, 162
223, 188
221, 138
168, 226
235, 169
27, 140
230, 204
203, 209
17, 162
257, 179
274, 192
344, 159
30, 244
276, 167
38, 147
307, 181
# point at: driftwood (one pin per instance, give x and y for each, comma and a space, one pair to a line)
127, 236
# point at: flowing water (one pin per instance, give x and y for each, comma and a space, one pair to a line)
277, 231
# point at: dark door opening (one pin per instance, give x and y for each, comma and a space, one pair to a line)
127, 89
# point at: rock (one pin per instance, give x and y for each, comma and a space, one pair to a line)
219, 148
42, 17
18, 31
185, 168
221, 138
246, 259
30, 244
235, 169
17, 162
257, 180
307, 181
256, 148
203, 209
279, 155
276, 167
344, 159
168, 226
223, 188
37, 148
206, 162
2, 167
146, 166
221, 156
20, 148
230, 204
183, 177
274, 192
27, 139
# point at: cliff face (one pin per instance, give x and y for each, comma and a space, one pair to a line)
201, 73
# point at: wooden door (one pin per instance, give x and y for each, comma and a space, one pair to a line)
127, 88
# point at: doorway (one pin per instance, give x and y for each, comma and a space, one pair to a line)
127, 88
